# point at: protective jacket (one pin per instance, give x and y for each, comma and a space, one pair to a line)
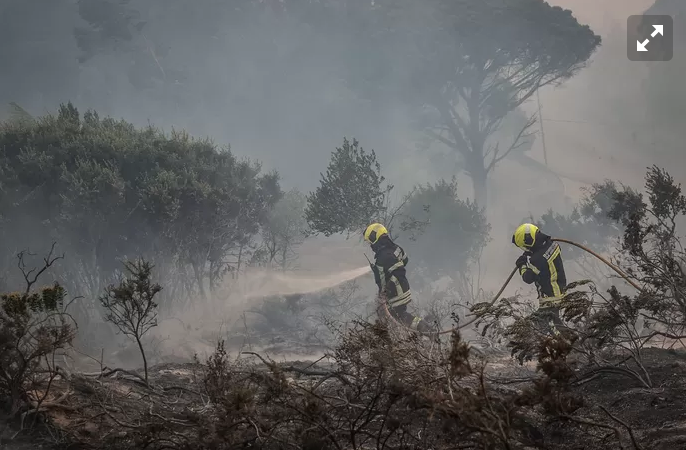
389, 272
544, 268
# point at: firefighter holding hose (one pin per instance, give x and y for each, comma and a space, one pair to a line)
541, 264
389, 273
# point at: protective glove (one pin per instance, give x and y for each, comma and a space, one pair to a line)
521, 261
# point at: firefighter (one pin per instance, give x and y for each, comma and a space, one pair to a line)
541, 264
389, 273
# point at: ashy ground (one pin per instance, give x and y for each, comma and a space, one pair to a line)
93, 409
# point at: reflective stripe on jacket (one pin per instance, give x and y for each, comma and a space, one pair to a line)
389, 272
546, 270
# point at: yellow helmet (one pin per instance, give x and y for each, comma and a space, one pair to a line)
373, 232
525, 235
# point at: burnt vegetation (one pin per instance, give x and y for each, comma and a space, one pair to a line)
378, 386
156, 223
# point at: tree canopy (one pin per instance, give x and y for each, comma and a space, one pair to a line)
106, 190
442, 232
351, 193
454, 233
459, 66
467, 64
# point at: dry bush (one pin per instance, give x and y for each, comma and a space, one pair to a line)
653, 257
307, 320
599, 329
278, 314
381, 390
131, 306
653, 252
608, 331
33, 328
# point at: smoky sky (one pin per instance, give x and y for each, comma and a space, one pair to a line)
274, 89
264, 86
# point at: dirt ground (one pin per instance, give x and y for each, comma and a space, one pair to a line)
95, 410
657, 415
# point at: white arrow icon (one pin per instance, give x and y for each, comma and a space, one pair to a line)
641, 46
659, 29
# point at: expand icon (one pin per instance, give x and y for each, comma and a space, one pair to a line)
650, 38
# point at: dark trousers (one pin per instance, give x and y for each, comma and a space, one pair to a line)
402, 315
549, 317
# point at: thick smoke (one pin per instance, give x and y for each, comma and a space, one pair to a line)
273, 89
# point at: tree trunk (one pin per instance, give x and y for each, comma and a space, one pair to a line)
213, 276
284, 257
199, 279
479, 178
238, 264
145, 361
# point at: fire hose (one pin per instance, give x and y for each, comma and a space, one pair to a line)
509, 278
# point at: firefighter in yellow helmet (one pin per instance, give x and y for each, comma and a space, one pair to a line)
389, 273
541, 264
